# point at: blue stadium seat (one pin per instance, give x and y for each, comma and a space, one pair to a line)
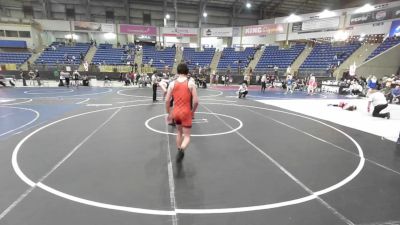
198, 58
282, 58
14, 57
159, 58
234, 59
388, 43
324, 56
59, 56
107, 55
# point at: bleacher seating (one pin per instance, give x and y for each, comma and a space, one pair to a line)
282, 58
198, 58
323, 56
62, 52
231, 58
108, 55
158, 58
388, 43
13, 57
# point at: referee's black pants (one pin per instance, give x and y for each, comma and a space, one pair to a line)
154, 92
378, 109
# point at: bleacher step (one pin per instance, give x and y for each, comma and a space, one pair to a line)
301, 58
31, 60
139, 59
253, 63
178, 57
89, 56
215, 60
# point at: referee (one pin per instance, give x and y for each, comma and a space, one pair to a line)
154, 81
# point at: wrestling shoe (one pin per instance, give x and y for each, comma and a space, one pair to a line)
179, 156
387, 115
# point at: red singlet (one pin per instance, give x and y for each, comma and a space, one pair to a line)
182, 112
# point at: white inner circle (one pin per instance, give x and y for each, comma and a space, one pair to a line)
196, 135
37, 114
53, 91
61, 194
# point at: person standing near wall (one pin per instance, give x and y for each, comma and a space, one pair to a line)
312, 85
22, 75
154, 81
263, 82
37, 77
276, 68
66, 77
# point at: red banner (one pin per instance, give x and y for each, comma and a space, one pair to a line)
138, 29
265, 29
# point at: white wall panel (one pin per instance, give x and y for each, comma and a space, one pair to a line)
55, 25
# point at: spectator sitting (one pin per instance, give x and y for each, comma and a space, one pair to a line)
387, 91
372, 82
2, 81
107, 81
355, 88
395, 94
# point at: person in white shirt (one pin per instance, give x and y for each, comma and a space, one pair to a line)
276, 68
245, 79
154, 81
378, 100
243, 90
263, 83
163, 84
355, 88
64, 76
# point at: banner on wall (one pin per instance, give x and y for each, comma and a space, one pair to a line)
145, 38
236, 32
296, 27
138, 30
90, 26
375, 16
218, 32
179, 32
265, 29
320, 24
395, 28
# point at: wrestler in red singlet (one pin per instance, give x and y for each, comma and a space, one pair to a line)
184, 93
182, 112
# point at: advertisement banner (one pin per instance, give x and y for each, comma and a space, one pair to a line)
395, 28
265, 29
96, 27
361, 18
217, 32
320, 24
138, 30
110, 69
375, 16
179, 32
236, 32
145, 38
296, 27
